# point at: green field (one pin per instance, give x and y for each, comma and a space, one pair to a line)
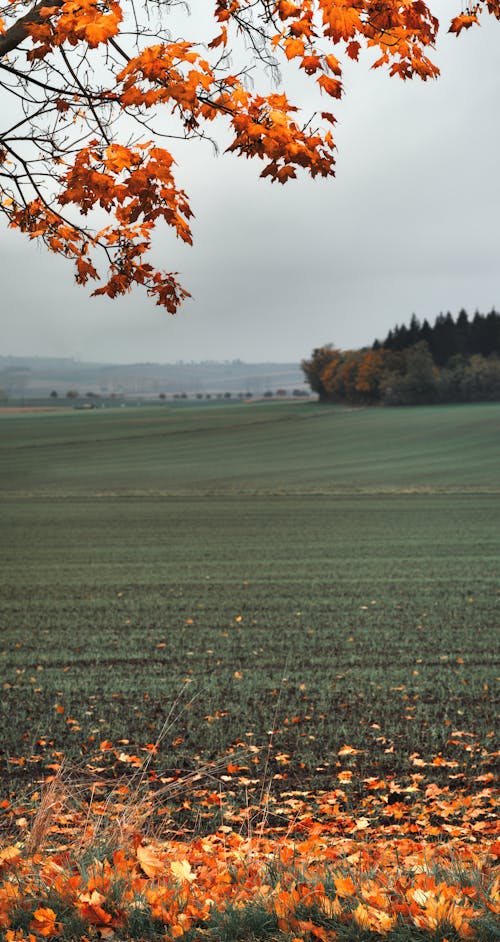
330, 575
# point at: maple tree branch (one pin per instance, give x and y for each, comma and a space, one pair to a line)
34, 81
112, 42
28, 174
19, 124
86, 94
71, 109
14, 36
63, 219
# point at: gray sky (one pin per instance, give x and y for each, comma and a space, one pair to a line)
410, 224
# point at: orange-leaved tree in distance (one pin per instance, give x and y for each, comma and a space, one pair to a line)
92, 89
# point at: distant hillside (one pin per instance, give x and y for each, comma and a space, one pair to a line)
38, 376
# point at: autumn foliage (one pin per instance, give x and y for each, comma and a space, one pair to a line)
448, 362
404, 861
91, 89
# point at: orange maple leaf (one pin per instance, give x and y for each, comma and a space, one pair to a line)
44, 922
118, 157
293, 48
344, 886
464, 21
149, 861
331, 86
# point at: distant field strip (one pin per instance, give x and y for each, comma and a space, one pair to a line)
254, 449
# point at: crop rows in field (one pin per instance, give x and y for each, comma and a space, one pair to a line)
366, 621
362, 611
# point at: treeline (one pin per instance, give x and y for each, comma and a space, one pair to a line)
451, 361
447, 338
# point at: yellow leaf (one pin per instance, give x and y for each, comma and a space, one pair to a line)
362, 916
182, 870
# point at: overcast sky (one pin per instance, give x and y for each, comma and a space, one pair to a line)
410, 224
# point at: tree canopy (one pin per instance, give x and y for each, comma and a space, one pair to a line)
451, 361
93, 94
